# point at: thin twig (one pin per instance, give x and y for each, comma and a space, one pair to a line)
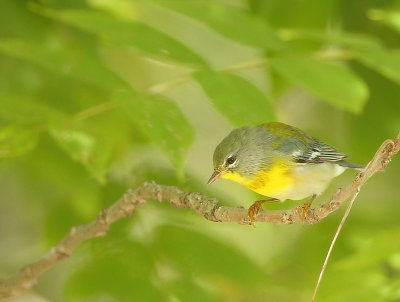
208, 207
328, 254
166, 85
94, 110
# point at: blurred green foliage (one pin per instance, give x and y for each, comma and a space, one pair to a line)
98, 96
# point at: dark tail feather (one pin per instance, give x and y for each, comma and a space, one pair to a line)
346, 164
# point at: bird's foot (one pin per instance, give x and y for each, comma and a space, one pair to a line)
303, 210
255, 208
305, 207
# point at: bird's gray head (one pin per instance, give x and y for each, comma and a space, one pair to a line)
243, 151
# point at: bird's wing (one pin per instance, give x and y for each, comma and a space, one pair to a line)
318, 152
303, 148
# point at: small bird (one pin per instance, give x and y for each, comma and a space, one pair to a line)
278, 161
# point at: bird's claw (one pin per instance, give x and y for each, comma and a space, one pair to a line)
253, 211
303, 210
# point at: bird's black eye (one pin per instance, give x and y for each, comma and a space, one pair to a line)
230, 160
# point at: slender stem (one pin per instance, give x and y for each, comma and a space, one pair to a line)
166, 85
328, 255
95, 110
263, 62
334, 55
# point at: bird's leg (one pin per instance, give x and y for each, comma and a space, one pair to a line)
305, 207
255, 208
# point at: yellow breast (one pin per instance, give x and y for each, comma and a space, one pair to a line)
273, 182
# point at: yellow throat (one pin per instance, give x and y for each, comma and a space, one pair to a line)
270, 182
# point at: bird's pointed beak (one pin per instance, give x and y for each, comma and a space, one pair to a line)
214, 176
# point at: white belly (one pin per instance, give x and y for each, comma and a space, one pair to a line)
310, 179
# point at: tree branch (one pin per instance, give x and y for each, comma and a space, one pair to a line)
208, 207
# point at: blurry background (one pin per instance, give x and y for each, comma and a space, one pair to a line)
99, 96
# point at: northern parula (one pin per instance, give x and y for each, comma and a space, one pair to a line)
278, 161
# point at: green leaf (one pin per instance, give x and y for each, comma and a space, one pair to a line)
234, 23
63, 62
92, 152
332, 82
239, 100
161, 121
389, 17
127, 33
84, 148
17, 140
78, 144
383, 61
358, 41
365, 49
26, 110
